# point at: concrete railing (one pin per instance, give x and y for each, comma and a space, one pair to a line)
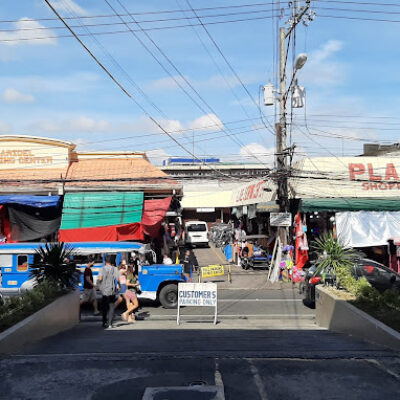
338, 315
60, 315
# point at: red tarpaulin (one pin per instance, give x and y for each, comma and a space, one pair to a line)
113, 233
153, 214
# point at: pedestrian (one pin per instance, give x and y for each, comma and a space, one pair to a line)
142, 261
189, 264
167, 260
89, 291
108, 287
122, 270
133, 288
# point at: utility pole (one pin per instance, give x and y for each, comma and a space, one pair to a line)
281, 146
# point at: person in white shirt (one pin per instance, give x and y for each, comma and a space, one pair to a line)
167, 260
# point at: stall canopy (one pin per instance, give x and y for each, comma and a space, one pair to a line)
154, 212
27, 217
32, 201
101, 216
350, 204
367, 228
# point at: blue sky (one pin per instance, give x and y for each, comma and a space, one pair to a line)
52, 88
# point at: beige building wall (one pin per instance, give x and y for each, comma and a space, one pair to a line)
24, 152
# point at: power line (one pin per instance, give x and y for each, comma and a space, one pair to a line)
143, 29
116, 81
228, 64
172, 64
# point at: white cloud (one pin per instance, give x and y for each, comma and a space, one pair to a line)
86, 124
45, 126
166, 83
212, 82
157, 156
329, 48
207, 122
81, 143
5, 128
255, 152
69, 6
322, 69
11, 95
28, 32
76, 82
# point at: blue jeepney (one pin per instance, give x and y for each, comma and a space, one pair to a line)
158, 281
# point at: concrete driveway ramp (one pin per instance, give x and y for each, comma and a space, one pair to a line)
184, 393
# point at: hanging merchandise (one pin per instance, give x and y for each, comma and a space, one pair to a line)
276, 262
301, 254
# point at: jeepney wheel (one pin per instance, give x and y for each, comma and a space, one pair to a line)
168, 296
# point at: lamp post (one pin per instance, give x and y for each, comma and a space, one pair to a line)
299, 14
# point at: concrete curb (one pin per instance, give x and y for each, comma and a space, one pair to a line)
338, 315
60, 315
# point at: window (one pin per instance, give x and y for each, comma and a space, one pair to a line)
197, 228
22, 263
81, 259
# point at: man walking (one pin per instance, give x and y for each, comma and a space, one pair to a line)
89, 291
108, 287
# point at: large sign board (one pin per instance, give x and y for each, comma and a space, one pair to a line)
280, 219
197, 295
16, 154
347, 177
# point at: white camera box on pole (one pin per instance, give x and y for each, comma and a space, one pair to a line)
197, 295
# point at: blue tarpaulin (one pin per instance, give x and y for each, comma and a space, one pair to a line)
32, 201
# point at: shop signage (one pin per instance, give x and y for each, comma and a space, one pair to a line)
212, 270
205, 210
267, 206
23, 157
251, 193
385, 177
197, 295
280, 219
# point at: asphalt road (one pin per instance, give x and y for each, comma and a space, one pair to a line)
274, 308
266, 346
91, 363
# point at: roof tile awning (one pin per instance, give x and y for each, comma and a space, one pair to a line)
128, 172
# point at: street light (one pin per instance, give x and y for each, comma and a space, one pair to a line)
300, 61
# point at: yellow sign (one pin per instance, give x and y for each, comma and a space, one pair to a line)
12, 283
212, 270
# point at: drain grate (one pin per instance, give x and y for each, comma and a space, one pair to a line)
198, 383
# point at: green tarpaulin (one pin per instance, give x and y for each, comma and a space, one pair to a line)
350, 204
88, 210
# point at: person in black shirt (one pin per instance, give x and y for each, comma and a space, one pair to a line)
189, 264
89, 291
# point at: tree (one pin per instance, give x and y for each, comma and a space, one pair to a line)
55, 266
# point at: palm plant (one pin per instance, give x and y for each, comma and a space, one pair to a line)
54, 265
333, 257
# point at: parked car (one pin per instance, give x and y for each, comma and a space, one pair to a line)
196, 233
378, 275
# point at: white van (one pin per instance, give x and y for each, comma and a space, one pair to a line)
196, 232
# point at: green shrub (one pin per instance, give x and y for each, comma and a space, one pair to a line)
334, 258
16, 309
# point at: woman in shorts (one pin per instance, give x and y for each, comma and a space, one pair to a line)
133, 286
